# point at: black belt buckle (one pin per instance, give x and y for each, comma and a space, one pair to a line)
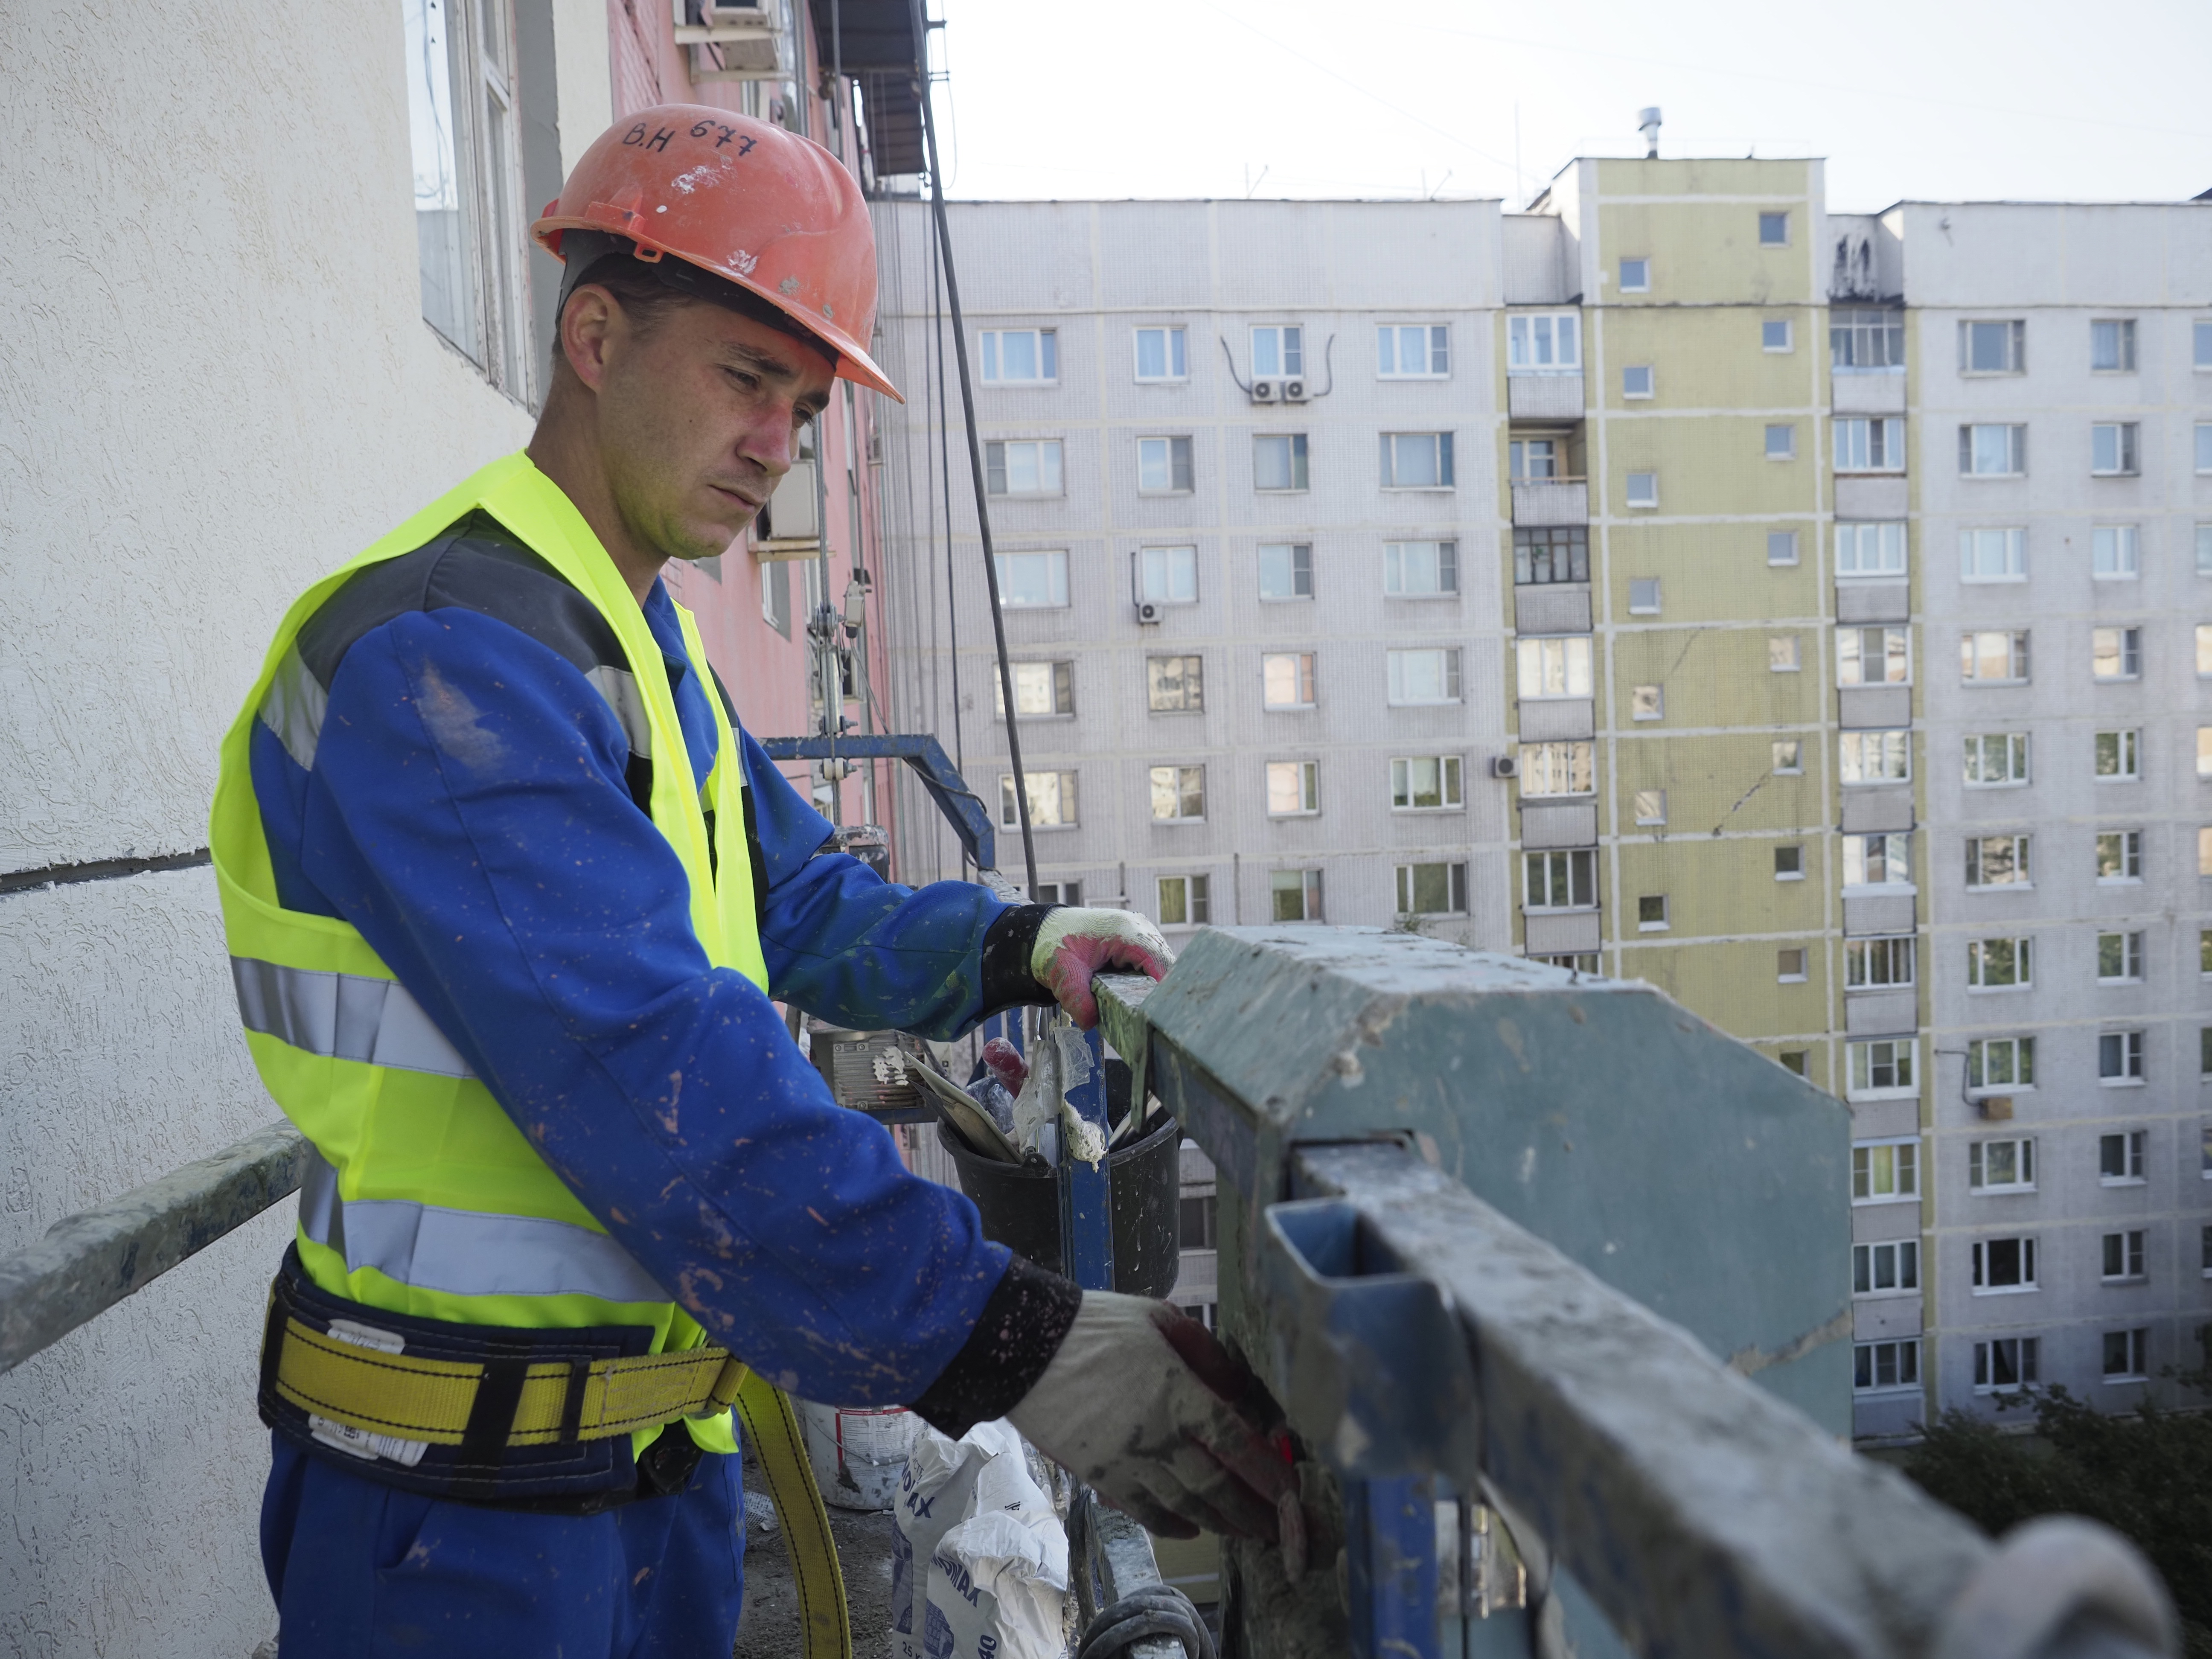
664, 1467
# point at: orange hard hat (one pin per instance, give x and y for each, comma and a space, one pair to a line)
764, 209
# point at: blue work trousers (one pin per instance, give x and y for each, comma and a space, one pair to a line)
362, 1570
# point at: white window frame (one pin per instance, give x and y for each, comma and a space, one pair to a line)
1650, 805
1178, 785
1766, 215
2137, 1340
1057, 791
1436, 343
2134, 1255
1394, 671
1303, 778
1174, 354
1055, 578
1897, 956
1308, 886
1851, 661
2015, 344
1889, 748
1891, 1180
2011, 554
1860, 1061
1455, 888
2131, 957
1868, 443
1553, 665
1146, 561
1986, 965
2018, 660
2127, 755
1193, 899
2130, 1043
1782, 548
1785, 653
1904, 1263
2023, 1164
2127, 651
1529, 352
2125, 460
1168, 454
991, 354
1984, 1268
1788, 439
2015, 757
2012, 1054
996, 467
1301, 564
1642, 491
1767, 340
1558, 769
2022, 854
1286, 345
1568, 858
1900, 856
476, 176
1303, 679
2131, 851
2123, 341
1441, 459
1970, 449
1629, 392
1443, 555
1870, 549
1059, 676
1638, 267
1450, 772
2134, 1146
2026, 1364
1187, 681
1903, 1366
1297, 452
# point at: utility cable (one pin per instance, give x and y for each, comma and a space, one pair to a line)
945, 462
974, 456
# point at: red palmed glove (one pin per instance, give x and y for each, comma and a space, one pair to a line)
1073, 944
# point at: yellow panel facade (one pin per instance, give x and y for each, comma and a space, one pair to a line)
1718, 572
1727, 782
1717, 677
1710, 358
1738, 984
1713, 464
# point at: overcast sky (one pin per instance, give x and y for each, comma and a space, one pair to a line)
2025, 99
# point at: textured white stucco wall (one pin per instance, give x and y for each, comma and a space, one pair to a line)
216, 385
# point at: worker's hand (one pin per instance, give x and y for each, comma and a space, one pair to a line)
1073, 944
1143, 1405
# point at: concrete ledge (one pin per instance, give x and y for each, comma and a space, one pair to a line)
1559, 720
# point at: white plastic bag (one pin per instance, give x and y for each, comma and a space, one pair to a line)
979, 1568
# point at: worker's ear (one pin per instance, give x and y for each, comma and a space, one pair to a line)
591, 325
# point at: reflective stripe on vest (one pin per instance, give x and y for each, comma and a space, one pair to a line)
343, 1016
467, 1252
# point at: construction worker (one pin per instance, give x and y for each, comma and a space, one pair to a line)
508, 893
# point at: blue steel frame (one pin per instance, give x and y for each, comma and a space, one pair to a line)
962, 808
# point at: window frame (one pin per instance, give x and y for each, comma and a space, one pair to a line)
1305, 777
1894, 741
2026, 1364
1767, 339
2015, 352
1568, 857
1180, 784
1768, 215
2013, 554
1061, 688
2133, 1147
1446, 560
1883, 538
1522, 326
1642, 264
1906, 1048
2127, 751
1301, 566
1571, 760
2130, 861
1451, 795
1855, 326
1788, 439
1068, 796
1993, 973
1437, 338
1903, 1366
1440, 456
2126, 460
1191, 684
990, 354
2017, 1050
1056, 578
1857, 851
2130, 1042
1857, 632
2016, 750
1984, 1267
2017, 652
1298, 453
1142, 561
2023, 1163
1648, 502
1892, 953
2125, 543
1573, 666
1970, 449
998, 475
1392, 661
1904, 1269
1407, 879
2021, 860
1193, 902
1173, 351
2127, 651
1303, 679
1307, 883
1651, 373
1288, 345
2123, 341
1181, 466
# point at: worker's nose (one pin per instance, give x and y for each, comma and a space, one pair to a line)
769, 443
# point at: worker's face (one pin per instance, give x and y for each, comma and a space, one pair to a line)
698, 415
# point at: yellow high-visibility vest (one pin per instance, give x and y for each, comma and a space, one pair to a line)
425, 1199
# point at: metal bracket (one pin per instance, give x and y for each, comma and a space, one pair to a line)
962, 807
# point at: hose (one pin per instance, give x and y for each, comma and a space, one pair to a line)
1155, 1610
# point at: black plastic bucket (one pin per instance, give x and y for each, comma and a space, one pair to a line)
1020, 1207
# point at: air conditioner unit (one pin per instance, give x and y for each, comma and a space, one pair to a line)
1294, 391
1504, 766
1266, 391
1148, 610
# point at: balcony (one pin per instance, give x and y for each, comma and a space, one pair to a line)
1551, 501
1544, 397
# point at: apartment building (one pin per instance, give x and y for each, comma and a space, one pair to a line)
1247, 531
1843, 664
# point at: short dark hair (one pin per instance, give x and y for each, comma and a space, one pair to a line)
649, 290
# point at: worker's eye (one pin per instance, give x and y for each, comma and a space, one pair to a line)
746, 380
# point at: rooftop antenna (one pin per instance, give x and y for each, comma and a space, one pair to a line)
1648, 120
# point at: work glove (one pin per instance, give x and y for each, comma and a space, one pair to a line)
1142, 1405
1073, 944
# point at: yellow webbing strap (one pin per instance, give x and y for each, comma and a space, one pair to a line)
780, 1449
430, 1400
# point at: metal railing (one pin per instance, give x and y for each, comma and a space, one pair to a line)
1448, 1320
1373, 1104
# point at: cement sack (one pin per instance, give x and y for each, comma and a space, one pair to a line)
979, 1566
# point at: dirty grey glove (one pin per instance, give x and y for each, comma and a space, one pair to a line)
1137, 1403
